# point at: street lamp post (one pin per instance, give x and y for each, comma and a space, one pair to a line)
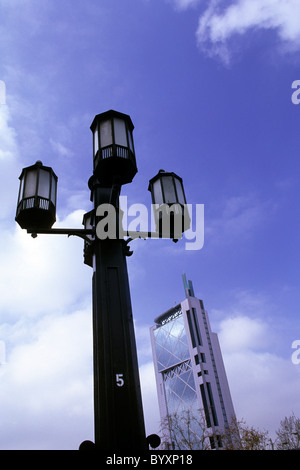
118, 412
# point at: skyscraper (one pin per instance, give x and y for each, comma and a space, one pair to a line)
193, 393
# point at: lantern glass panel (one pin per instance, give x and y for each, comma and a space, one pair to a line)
169, 190
120, 132
96, 141
157, 192
30, 183
44, 184
53, 190
130, 141
21, 190
180, 194
106, 133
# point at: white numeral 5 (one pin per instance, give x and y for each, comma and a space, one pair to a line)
119, 380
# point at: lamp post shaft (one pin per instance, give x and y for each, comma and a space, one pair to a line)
119, 421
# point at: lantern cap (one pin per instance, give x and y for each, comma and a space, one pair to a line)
160, 174
38, 164
110, 114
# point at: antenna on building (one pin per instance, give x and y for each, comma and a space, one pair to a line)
188, 287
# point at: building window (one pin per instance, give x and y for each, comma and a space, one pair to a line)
208, 404
212, 404
205, 406
202, 358
212, 442
197, 326
191, 329
194, 328
200, 373
215, 440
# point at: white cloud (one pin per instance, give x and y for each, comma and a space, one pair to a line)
8, 158
242, 333
59, 349
264, 385
8, 146
41, 275
220, 22
45, 327
149, 396
46, 384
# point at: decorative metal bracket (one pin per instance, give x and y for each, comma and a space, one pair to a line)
82, 233
144, 235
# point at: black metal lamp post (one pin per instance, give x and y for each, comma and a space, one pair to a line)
119, 422
118, 412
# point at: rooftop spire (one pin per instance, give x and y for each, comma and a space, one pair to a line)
188, 287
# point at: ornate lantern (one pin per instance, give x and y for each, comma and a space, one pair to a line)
36, 207
170, 209
114, 156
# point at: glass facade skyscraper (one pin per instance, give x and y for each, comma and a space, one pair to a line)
193, 392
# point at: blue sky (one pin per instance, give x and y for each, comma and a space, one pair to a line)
208, 87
